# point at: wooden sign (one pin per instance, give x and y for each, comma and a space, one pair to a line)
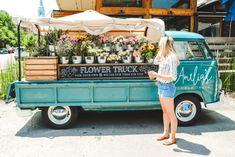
105, 71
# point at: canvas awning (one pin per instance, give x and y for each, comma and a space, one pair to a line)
95, 23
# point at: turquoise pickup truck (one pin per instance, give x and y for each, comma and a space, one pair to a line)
197, 84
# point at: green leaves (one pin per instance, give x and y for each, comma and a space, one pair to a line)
8, 33
30, 43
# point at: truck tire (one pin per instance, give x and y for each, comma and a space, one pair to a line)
59, 117
187, 109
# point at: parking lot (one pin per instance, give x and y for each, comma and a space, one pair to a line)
117, 134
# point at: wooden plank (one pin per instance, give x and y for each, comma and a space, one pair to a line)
171, 12
122, 11
147, 5
41, 61
220, 40
98, 5
41, 67
226, 71
222, 47
40, 72
193, 5
34, 78
192, 24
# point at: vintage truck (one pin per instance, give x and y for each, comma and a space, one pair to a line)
198, 84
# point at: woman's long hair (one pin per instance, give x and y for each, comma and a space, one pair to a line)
166, 46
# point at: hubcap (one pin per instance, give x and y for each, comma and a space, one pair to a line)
59, 114
186, 111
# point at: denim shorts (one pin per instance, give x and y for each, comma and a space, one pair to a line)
166, 90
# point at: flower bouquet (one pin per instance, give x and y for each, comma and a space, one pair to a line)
114, 58
126, 56
131, 43
64, 49
101, 56
149, 51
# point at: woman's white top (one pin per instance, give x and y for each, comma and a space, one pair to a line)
167, 67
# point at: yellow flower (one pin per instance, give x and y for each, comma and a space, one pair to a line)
151, 46
142, 48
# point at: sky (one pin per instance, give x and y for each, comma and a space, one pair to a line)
27, 8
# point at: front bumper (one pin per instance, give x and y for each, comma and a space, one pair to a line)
219, 102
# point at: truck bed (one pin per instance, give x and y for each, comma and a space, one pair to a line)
88, 94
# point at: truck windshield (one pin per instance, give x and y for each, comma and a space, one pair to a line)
192, 50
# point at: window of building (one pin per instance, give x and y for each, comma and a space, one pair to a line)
185, 4
122, 3
176, 22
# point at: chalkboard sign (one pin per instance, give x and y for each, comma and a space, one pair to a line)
104, 71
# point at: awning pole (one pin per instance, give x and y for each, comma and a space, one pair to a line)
19, 52
39, 36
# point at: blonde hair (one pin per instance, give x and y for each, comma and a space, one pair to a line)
166, 46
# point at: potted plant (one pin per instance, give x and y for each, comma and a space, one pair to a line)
105, 41
149, 50
126, 56
77, 52
89, 51
64, 49
101, 56
130, 43
118, 43
114, 58
90, 56
138, 57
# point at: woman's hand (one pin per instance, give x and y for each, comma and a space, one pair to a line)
152, 75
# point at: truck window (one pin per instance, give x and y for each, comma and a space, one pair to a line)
205, 50
188, 50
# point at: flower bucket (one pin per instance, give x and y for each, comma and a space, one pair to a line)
126, 59
139, 59
90, 59
102, 59
150, 61
64, 60
77, 59
130, 47
118, 47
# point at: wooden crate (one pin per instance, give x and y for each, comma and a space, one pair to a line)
40, 68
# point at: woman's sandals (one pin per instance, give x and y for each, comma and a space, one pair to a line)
169, 142
166, 142
161, 138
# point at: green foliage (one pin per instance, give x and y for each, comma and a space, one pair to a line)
64, 48
228, 79
41, 51
8, 31
30, 43
52, 37
6, 77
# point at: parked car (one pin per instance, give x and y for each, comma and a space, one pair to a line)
3, 51
23, 53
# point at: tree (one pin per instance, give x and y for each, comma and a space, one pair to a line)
8, 31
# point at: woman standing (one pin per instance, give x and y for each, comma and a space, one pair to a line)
167, 74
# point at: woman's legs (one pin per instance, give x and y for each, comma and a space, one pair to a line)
166, 119
169, 106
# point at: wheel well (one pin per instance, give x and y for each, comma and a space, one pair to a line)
190, 94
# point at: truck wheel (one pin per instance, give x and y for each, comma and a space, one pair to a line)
59, 117
187, 109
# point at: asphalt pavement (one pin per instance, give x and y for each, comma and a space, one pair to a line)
117, 134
